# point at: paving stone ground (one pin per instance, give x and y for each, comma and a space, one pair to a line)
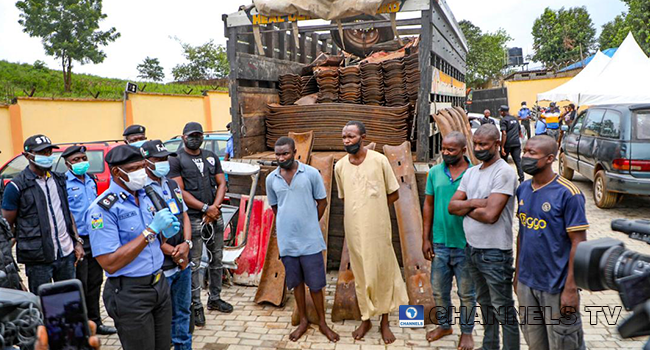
253, 326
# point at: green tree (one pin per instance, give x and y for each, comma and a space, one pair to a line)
69, 30
563, 36
150, 69
636, 20
486, 56
205, 62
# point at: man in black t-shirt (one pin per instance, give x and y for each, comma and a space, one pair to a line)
198, 173
510, 134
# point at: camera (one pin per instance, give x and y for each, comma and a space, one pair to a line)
605, 263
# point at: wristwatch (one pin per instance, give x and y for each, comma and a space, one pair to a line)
80, 240
149, 235
189, 243
205, 208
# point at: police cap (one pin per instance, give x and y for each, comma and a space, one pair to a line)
134, 129
73, 150
504, 108
155, 148
123, 154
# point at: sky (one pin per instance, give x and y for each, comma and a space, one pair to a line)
148, 28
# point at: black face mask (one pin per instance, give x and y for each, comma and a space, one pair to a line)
484, 155
287, 164
353, 149
193, 142
529, 166
451, 160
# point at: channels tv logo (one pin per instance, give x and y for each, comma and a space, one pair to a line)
411, 316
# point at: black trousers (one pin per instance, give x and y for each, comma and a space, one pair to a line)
142, 310
91, 275
515, 152
526, 125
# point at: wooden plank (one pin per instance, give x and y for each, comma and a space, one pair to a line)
254, 125
292, 47
254, 144
269, 42
424, 95
282, 43
254, 67
255, 103
314, 46
303, 50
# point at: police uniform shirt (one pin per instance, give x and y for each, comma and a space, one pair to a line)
121, 223
80, 195
510, 125
546, 216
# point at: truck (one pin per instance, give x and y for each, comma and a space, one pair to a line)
260, 49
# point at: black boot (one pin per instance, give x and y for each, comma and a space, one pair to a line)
219, 305
199, 316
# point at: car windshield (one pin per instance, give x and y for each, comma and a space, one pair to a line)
643, 125
217, 146
173, 145
95, 158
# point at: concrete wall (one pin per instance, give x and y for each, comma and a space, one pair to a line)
79, 120
527, 90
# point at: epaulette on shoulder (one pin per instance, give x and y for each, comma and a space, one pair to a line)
107, 201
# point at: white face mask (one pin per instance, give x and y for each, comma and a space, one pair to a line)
137, 179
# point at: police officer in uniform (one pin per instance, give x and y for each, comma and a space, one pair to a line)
134, 135
199, 174
82, 190
125, 238
510, 135
177, 248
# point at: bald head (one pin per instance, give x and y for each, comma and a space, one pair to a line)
457, 138
543, 144
488, 131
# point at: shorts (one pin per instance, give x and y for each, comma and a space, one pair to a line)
307, 269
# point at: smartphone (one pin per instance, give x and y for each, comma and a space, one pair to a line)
64, 315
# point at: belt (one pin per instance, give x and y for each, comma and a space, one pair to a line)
144, 280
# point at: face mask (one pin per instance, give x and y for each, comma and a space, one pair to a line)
529, 166
287, 164
484, 155
42, 161
80, 168
353, 149
451, 160
137, 179
160, 169
137, 144
193, 143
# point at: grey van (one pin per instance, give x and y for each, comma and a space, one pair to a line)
609, 145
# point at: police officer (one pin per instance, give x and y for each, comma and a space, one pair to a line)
134, 135
510, 143
177, 248
82, 190
199, 174
125, 240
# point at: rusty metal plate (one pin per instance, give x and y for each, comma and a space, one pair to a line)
325, 165
272, 288
462, 123
443, 124
417, 269
304, 143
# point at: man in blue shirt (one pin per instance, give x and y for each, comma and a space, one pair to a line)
230, 147
176, 249
552, 223
524, 118
297, 195
82, 190
124, 240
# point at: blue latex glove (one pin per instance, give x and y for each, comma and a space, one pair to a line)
162, 220
172, 230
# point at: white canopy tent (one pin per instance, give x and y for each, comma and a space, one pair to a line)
570, 91
625, 79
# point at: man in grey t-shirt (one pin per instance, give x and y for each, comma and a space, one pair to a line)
485, 198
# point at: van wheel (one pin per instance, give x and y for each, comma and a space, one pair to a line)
565, 171
603, 198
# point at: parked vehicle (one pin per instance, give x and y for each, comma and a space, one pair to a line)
95, 152
214, 141
609, 145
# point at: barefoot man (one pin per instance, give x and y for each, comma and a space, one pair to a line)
368, 187
297, 195
447, 252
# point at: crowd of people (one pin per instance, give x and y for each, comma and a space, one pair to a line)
145, 248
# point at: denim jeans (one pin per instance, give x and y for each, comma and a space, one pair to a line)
492, 271
60, 270
447, 263
180, 287
214, 245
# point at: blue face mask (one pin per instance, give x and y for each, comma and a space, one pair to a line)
137, 144
161, 169
80, 168
44, 161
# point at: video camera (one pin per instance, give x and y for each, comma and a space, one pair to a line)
606, 264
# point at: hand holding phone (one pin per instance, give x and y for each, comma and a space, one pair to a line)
42, 339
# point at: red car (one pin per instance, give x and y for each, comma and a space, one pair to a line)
95, 152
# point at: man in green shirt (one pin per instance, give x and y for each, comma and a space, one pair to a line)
447, 251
